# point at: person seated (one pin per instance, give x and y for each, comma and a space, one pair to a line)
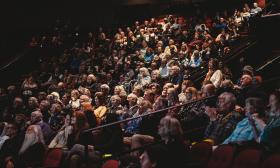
101, 109
132, 127
32, 151
149, 55
61, 138
37, 119
267, 136
208, 90
110, 141
144, 78
33, 105
174, 76
171, 135
252, 125
116, 106
223, 118
3, 136
132, 106
148, 128
80, 124
255, 10
164, 69
75, 101
214, 74
56, 120
195, 60
149, 96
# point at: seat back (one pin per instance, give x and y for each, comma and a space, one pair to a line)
200, 153
247, 158
273, 161
111, 164
221, 157
53, 158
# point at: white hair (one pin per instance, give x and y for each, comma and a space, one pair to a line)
36, 136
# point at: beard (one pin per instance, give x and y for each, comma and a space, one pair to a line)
29, 140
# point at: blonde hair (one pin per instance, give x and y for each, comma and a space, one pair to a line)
120, 87
145, 71
133, 97
92, 77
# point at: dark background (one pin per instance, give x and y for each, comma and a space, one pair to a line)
22, 19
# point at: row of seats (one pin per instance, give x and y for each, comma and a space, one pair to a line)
230, 156
202, 155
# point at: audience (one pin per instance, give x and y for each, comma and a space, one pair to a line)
109, 76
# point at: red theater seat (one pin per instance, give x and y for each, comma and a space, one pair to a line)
272, 161
200, 153
222, 157
247, 158
53, 158
111, 164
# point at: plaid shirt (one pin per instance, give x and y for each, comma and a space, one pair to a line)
222, 127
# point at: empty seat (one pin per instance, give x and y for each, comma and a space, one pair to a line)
221, 157
247, 158
272, 161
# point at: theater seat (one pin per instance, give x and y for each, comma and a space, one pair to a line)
272, 161
200, 153
247, 158
111, 164
221, 157
53, 158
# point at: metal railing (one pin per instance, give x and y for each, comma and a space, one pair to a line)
144, 115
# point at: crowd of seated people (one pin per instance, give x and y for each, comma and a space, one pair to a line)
147, 67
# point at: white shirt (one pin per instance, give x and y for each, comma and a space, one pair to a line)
216, 78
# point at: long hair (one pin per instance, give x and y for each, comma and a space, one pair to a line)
80, 124
81, 121
33, 135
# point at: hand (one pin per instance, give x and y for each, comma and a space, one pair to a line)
258, 121
211, 112
236, 87
239, 109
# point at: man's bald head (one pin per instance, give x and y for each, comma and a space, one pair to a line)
36, 116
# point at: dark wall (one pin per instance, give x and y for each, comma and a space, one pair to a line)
20, 20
